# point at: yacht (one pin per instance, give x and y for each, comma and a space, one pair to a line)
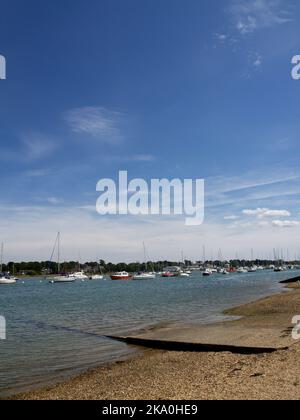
145, 275
60, 278
207, 272
242, 270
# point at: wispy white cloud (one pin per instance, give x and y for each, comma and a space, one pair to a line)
252, 15
260, 178
117, 158
97, 122
285, 223
264, 212
36, 173
258, 61
31, 146
37, 146
241, 225
269, 189
281, 144
231, 217
143, 158
221, 37
54, 200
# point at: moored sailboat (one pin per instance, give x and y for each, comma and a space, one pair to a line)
60, 278
3, 278
147, 275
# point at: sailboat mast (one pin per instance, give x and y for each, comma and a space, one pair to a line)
1, 264
58, 252
145, 258
79, 261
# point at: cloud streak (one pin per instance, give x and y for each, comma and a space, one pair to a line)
252, 15
38, 146
96, 122
285, 223
233, 217
264, 212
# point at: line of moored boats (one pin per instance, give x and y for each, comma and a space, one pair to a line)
169, 272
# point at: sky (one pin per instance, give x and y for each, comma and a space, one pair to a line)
174, 89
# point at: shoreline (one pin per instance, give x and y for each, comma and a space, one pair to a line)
152, 373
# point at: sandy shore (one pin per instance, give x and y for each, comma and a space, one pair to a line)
189, 375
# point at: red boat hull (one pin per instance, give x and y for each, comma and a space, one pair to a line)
121, 277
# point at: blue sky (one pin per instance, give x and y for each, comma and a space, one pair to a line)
161, 89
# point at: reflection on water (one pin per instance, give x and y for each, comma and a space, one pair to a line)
54, 330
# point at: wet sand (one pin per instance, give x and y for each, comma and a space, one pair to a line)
207, 375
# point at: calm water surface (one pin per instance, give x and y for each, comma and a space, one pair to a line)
55, 330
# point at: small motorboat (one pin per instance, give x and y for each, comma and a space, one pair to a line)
7, 280
123, 275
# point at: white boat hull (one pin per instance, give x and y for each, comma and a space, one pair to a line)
8, 281
78, 276
144, 277
97, 277
62, 280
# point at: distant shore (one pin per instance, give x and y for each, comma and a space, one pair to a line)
209, 375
